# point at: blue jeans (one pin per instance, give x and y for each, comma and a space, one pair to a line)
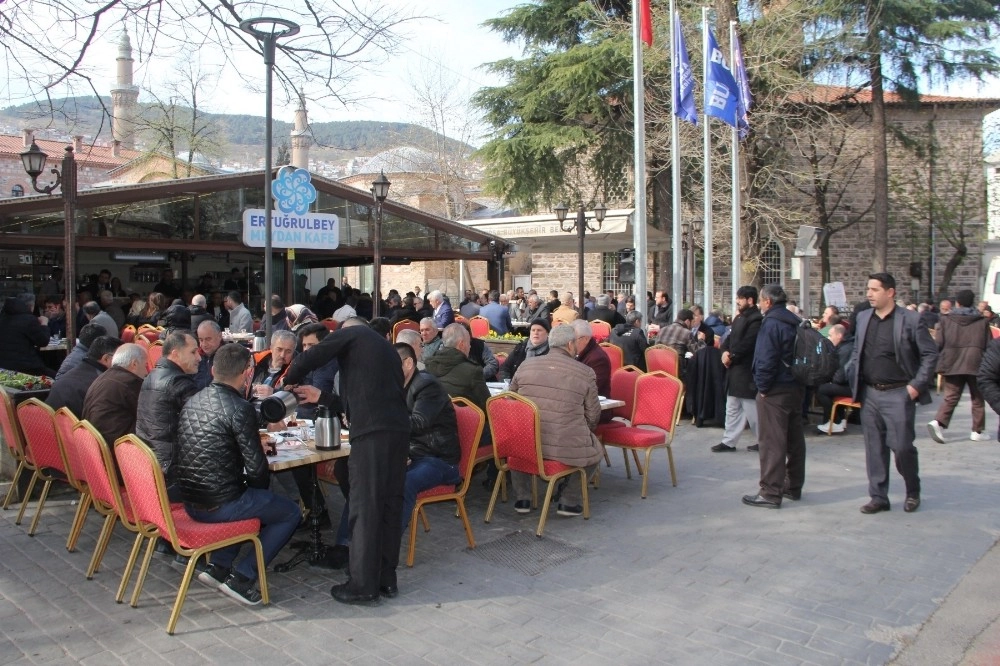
279, 516
423, 474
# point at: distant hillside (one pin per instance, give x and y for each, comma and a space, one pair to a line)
84, 115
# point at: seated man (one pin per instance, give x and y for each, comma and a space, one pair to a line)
631, 338
430, 337
163, 394
839, 386
85, 338
604, 312
589, 352
568, 409
460, 377
271, 365
95, 316
112, 400
23, 334
536, 344
71, 389
209, 341
566, 312
223, 475
678, 335
497, 314
434, 448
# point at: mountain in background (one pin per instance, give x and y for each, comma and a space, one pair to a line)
333, 140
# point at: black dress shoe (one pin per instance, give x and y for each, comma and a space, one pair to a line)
760, 501
875, 506
388, 591
753, 447
792, 495
345, 596
719, 448
911, 504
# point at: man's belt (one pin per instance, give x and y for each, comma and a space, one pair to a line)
888, 387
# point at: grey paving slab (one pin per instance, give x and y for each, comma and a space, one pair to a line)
686, 576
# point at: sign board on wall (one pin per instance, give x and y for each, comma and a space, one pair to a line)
292, 225
834, 294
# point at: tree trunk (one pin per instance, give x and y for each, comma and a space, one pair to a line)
954, 262
879, 148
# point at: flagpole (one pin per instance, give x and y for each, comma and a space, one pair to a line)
639, 134
737, 266
675, 166
707, 287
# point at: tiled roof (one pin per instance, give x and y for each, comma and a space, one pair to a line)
91, 154
849, 95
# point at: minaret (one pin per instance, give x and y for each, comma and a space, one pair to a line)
300, 136
124, 97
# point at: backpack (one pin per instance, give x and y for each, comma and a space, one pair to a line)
815, 359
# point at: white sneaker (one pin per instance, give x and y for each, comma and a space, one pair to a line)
980, 437
839, 427
823, 427
934, 428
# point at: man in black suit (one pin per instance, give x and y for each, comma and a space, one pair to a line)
604, 312
737, 356
892, 367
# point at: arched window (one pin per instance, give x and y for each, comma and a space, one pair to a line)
772, 263
17, 191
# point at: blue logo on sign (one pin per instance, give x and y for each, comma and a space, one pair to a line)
293, 191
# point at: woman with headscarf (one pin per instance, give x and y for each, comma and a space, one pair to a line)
299, 315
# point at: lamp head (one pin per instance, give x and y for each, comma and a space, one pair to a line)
600, 211
380, 187
33, 160
560, 210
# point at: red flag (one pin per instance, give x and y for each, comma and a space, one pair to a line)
645, 22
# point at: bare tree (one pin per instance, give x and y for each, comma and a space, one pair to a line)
47, 44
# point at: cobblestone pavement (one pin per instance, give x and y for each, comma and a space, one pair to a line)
687, 576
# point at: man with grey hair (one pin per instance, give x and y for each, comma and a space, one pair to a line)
589, 352
565, 313
23, 334
604, 312
459, 375
199, 311
565, 392
412, 338
779, 404
271, 365
112, 400
112, 310
443, 314
94, 316
631, 338
429, 336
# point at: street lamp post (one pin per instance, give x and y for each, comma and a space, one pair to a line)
580, 225
380, 190
690, 233
33, 160
268, 31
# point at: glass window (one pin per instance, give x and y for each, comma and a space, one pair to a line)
609, 272
771, 271
17, 191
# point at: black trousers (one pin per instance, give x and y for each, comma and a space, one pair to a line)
377, 468
782, 443
825, 393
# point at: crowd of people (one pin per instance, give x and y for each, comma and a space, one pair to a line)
196, 407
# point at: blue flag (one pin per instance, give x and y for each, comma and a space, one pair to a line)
721, 92
683, 77
745, 99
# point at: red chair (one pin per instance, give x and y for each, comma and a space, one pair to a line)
128, 333
153, 354
517, 447
65, 421
622, 388
480, 327
108, 498
331, 324
471, 422
147, 493
995, 332
663, 358
614, 354
39, 427
14, 438
460, 319
501, 357
658, 400
404, 325
151, 333
601, 330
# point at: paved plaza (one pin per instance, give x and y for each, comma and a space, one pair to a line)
687, 576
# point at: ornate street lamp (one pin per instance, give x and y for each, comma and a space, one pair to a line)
33, 160
580, 225
268, 31
380, 190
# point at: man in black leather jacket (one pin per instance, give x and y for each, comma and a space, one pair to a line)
434, 448
163, 394
223, 476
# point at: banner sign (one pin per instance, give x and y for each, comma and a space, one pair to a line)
292, 225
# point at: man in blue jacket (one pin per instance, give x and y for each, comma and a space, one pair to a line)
779, 404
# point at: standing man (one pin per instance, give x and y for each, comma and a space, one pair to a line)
894, 359
240, 319
222, 474
779, 404
962, 336
371, 382
737, 356
660, 313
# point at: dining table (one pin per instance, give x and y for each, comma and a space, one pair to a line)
291, 450
496, 388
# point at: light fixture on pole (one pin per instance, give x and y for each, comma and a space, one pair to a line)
581, 225
268, 31
33, 160
691, 233
380, 190
685, 248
